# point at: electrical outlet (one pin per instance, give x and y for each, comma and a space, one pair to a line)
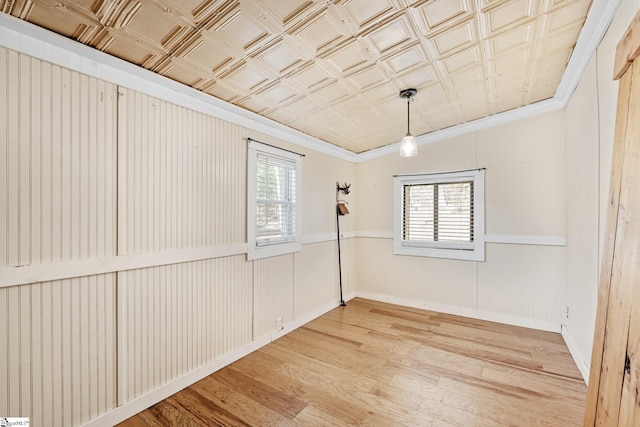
279, 324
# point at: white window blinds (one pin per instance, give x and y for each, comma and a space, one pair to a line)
441, 212
440, 215
275, 200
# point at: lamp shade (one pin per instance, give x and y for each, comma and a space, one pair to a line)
408, 146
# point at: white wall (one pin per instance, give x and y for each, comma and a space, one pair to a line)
582, 217
608, 98
591, 115
525, 200
123, 272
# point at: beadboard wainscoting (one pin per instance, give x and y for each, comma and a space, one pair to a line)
123, 271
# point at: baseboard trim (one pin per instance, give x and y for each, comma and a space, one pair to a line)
129, 409
464, 312
135, 406
580, 362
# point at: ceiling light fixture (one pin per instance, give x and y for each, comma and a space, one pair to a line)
408, 146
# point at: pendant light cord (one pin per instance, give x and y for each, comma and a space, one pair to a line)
408, 115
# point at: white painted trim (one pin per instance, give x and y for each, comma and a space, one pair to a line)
326, 237
468, 251
254, 152
581, 363
375, 234
133, 407
464, 312
37, 273
22, 275
465, 128
303, 320
24, 37
526, 240
488, 238
319, 238
32, 40
600, 16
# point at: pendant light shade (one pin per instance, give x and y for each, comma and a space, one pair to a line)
408, 146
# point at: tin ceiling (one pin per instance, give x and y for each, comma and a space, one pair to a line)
333, 69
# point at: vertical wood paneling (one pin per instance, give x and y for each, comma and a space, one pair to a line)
56, 122
4, 355
11, 230
56, 170
273, 292
525, 180
316, 283
56, 384
524, 281
35, 128
36, 337
441, 282
45, 164
184, 180
23, 176
58, 347
65, 166
89, 170
318, 194
378, 274
582, 169
26, 321
13, 344
180, 317
57, 188
4, 158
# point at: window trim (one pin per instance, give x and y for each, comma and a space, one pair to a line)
255, 251
467, 251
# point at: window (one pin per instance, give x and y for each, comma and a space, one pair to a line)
440, 215
273, 202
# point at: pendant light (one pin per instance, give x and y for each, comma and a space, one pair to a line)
408, 146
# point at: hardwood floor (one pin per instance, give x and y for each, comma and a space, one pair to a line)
376, 364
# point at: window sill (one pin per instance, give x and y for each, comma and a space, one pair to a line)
476, 254
272, 250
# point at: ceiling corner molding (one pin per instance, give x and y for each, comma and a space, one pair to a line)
600, 17
595, 27
29, 39
465, 128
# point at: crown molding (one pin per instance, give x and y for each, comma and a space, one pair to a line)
595, 27
464, 128
24, 37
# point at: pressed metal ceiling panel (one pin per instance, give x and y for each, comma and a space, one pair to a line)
440, 12
334, 68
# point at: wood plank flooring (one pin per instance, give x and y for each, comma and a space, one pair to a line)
377, 364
